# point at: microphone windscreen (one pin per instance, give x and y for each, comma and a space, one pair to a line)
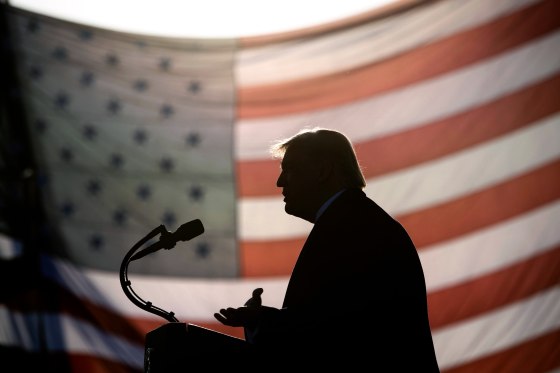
189, 230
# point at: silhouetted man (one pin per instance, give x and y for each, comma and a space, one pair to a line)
357, 295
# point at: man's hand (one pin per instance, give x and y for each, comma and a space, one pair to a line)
243, 316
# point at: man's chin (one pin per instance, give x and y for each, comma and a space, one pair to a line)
291, 211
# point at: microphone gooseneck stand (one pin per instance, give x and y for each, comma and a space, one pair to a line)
177, 346
126, 284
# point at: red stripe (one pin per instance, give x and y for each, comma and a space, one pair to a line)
482, 209
269, 258
409, 148
494, 290
148, 325
538, 355
145, 325
419, 64
432, 225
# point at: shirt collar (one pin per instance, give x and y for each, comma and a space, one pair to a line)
327, 204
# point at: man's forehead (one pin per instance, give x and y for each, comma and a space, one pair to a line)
294, 155
291, 154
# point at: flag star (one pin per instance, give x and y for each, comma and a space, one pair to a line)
202, 249
66, 154
85, 34
192, 139
60, 53
112, 59
166, 110
140, 85
32, 26
62, 100
41, 125
89, 132
114, 106
169, 219
87, 78
164, 64
96, 241
194, 86
144, 192
120, 217
116, 160
67, 209
94, 187
35, 72
140, 136
166, 164
196, 193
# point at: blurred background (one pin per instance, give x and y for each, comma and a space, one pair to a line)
117, 119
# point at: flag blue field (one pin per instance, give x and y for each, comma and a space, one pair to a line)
454, 109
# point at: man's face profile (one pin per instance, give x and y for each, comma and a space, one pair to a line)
298, 180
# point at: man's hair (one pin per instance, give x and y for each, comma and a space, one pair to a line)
322, 143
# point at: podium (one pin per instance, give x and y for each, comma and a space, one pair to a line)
182, 347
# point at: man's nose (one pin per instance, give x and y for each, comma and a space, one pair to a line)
280, 180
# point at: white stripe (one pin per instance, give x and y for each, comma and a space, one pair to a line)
418, 187
310, 57
444, 265
65, 333
19, 330
10, 248
254, 217
198, 300
491, 249
498, 330
414, 105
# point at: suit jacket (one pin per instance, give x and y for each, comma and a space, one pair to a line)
357, 295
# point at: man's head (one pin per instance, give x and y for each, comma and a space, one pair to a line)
316, 163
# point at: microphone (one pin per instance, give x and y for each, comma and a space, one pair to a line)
168, 240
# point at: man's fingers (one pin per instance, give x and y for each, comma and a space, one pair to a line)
227, 312
223, 319
229, 317
219, 317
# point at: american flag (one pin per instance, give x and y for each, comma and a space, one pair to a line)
454, 109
